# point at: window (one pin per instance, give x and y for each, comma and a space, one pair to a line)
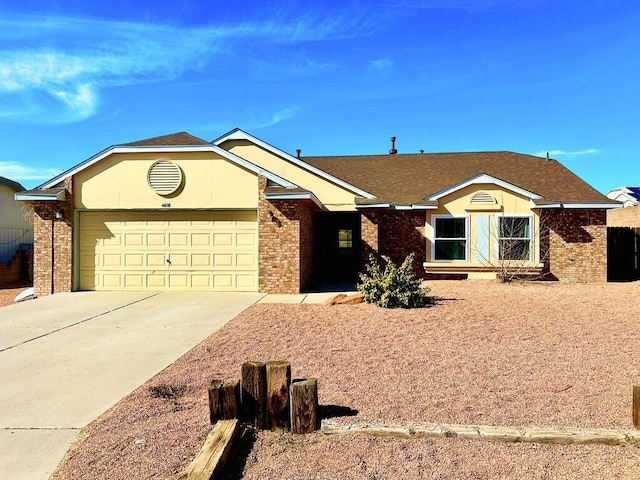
515, 238
345, 241
450, 238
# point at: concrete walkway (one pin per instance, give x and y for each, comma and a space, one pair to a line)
67, 358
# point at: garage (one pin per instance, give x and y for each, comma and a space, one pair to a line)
161, 250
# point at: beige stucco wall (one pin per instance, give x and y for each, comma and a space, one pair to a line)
459, 204
209, 181
11, 211
332, 196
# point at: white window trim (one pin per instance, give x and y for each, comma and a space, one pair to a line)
532, 240
467, 250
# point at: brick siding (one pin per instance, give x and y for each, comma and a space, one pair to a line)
285, 244
624, 217
574, 243
395, 234
53, 245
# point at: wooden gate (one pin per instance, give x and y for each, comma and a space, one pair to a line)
623, 254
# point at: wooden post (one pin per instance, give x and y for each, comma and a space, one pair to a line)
215, 400
304, 406
230, 399
636, 406
278, 381
253, 394
224, 400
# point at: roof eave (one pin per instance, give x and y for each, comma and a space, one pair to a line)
33, 195
577, 205
294, 196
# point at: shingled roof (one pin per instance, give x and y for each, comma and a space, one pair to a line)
412, 178
179, 138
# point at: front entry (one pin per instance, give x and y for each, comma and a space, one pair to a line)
337, 241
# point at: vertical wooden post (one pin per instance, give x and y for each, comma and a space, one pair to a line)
304, 406
230, 400
253, 394
224, 399
278, 381
636, 406
215, 400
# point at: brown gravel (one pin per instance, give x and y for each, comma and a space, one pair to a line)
543, 354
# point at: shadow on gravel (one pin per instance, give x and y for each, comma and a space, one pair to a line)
240, 452
332, 411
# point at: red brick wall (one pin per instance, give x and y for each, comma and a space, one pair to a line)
577, 244
624, 217
285, 244
53, 246
396, 234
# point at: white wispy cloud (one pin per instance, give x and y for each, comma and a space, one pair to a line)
20, 173
52, 70
381, 64
562, 153
249, 121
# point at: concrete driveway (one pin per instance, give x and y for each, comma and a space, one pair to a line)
67, 358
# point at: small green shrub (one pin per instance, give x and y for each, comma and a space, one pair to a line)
390, 286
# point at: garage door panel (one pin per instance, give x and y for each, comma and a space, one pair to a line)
134, 239
200, 260
222, 239
245, 239
207, 250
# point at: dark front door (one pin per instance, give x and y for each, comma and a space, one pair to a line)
336, 247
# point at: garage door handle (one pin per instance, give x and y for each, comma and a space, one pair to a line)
168, 261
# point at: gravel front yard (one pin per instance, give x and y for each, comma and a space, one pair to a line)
532, 354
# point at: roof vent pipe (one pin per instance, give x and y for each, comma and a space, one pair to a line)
393, 150
298, 152
547, 155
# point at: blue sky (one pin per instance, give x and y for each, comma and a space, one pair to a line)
327, 77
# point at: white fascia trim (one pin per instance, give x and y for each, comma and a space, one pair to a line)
45, 197
484, 178
373, 205
238, 134
579, 205
415, 206
294, 196
168, 149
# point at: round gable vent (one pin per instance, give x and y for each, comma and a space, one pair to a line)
165, 177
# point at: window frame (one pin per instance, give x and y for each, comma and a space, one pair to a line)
467, 240
531, 236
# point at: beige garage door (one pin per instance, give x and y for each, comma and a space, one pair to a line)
216, 251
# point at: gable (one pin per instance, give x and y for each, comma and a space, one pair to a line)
209, 180
331, 194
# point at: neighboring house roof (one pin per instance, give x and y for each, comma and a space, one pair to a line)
415, 178
10, 183
629, 196
634, 192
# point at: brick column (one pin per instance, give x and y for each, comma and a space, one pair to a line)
53, 245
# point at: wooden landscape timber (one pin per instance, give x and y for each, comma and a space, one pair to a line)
278, 381
305, 416
210, 460
559, 435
